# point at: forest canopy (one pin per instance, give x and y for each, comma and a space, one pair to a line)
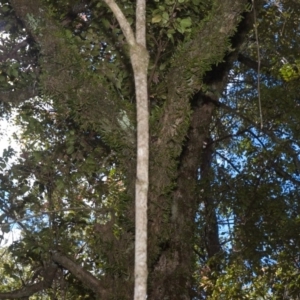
223, 200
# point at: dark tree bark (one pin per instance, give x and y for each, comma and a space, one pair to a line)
171, 266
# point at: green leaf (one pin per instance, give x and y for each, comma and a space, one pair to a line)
165, 17
185, 23
156, 19
60, 184
70, 149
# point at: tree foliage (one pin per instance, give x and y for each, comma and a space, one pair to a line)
224, 186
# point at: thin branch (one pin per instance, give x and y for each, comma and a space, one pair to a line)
250, 63
240, 132
45, 213
228, 161
12, 52
124, 24
258, 66
279, 170
19, 95
160, 48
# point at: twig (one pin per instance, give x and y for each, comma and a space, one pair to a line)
46, 213
258, 66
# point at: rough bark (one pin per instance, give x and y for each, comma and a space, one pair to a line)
211, 228
174, 268
171, 241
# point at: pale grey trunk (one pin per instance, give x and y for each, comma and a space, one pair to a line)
139, 61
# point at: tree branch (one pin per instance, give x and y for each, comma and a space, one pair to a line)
84, 276
27, 291
12, 52
124, 24
17, 96
250, 63
40, 214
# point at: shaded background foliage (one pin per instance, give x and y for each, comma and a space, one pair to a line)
223, 209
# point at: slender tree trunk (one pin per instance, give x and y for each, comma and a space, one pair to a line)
139, 61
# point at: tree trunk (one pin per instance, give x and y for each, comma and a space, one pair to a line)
179, 155
171, 273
